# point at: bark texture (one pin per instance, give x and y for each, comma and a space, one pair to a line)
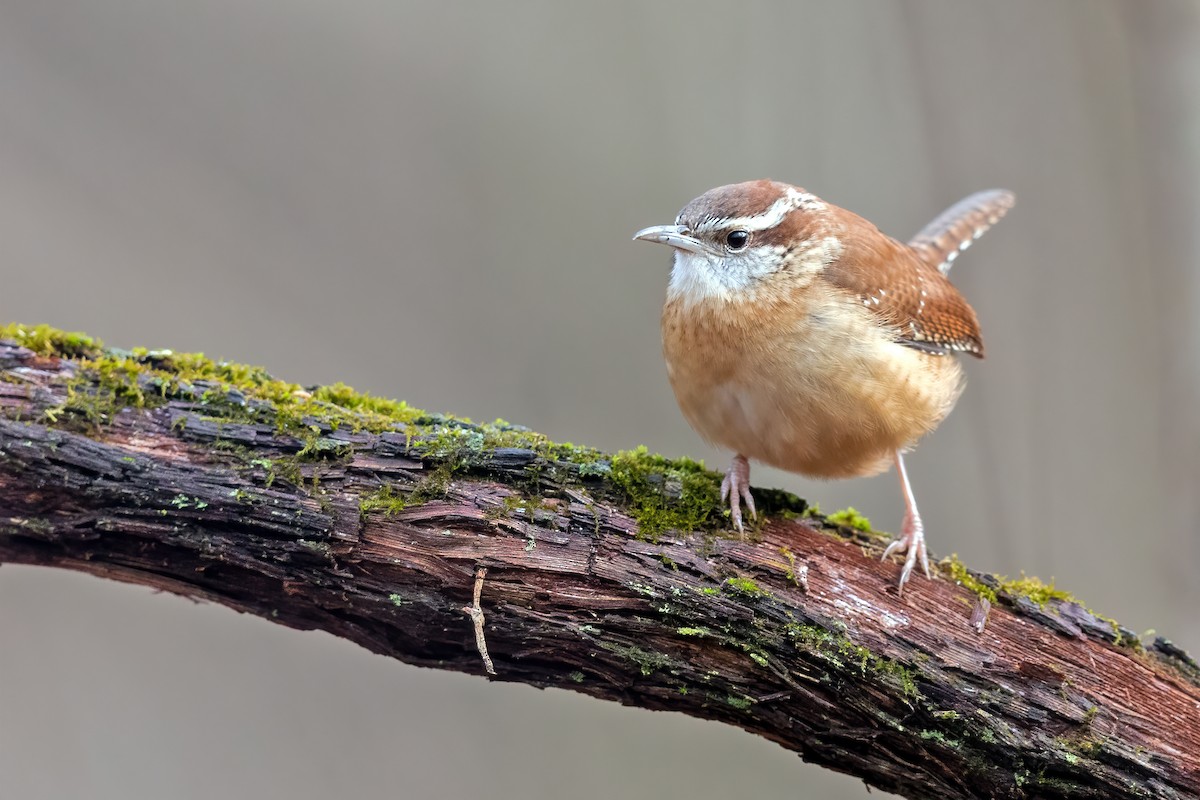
449, 545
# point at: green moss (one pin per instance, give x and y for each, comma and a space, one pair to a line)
533, 508
1059, 787
434, 485
644, 589
693, 631
399, 600
940, 738
647, 661
745, 587
791, 570
959, 573
840, 652
380, 408
182, 501
511, 503
666, 494
850, 518
15, 525
297, 469
576, 676
1119, 638
1033, 588
809, 637
317, 547
741, 703
47, 341
461, 445
1087, 746
902, 677
662, 494
1036, 590
103, 387
108, 380
383, 499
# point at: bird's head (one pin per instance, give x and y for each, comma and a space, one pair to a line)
736, 239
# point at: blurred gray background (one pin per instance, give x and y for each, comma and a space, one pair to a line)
434, 202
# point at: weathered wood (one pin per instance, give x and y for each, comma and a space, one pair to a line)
377, 535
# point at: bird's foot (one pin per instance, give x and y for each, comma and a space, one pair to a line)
736, 488
912, 542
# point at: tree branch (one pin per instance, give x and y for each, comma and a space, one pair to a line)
458, 546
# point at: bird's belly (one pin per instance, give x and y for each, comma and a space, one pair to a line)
817, 410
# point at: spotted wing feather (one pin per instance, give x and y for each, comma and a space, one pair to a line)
907, 293
957, 228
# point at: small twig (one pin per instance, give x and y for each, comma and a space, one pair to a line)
475, 612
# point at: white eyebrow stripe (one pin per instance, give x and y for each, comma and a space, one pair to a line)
791, 200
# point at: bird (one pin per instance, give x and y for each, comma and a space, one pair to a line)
799, 335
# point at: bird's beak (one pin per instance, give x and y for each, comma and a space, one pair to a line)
673, 235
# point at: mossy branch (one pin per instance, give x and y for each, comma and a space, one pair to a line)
614, 576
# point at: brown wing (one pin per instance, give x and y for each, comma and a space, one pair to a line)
907, 293
956, 228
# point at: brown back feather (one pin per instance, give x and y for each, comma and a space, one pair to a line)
906, 292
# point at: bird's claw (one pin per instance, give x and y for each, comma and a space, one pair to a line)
912, 542
736, 488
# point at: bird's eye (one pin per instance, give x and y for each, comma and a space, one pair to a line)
737, 240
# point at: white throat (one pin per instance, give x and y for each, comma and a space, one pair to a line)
705, 276
698, 277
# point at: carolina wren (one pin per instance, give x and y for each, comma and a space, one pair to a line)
797, 334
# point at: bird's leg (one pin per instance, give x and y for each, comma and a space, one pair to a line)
912, 534
736, 487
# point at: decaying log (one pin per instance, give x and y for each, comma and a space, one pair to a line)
457, 546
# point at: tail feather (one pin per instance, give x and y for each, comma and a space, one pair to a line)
956, 228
